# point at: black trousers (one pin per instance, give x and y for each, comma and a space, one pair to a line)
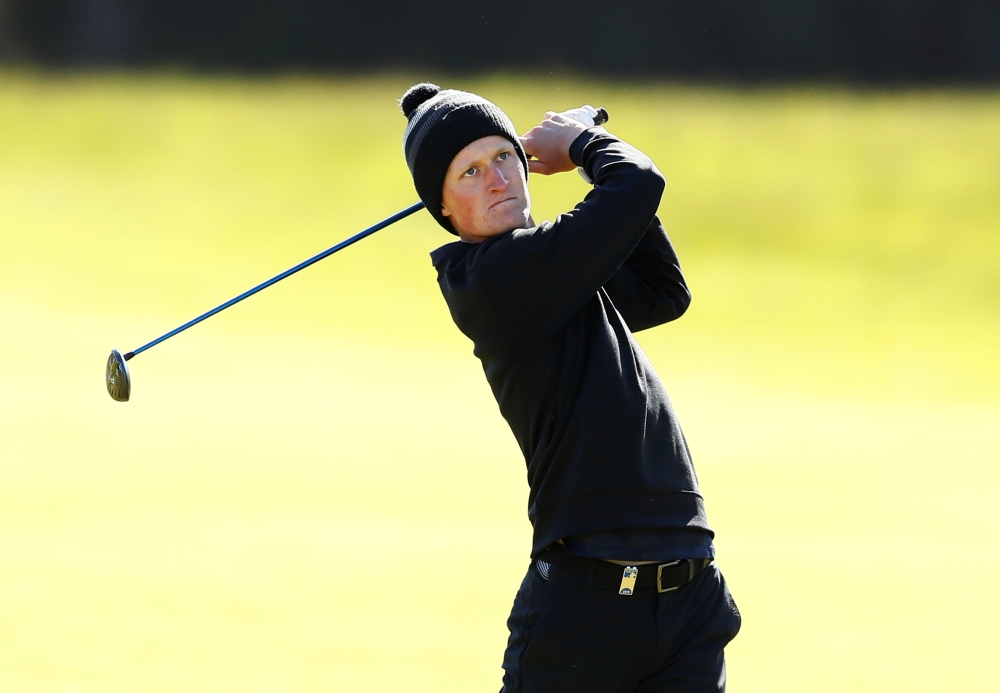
569, 635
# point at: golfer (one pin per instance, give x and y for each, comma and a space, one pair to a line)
622, 593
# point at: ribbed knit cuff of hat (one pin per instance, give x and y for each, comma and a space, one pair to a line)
441, 124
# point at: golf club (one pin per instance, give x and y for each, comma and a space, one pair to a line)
116, 373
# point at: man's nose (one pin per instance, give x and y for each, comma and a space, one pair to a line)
495, 178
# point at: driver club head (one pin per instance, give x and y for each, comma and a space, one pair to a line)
117, 377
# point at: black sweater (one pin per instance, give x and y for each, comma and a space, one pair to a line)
551, 311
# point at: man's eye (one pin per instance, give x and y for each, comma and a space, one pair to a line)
504, 156
470, 171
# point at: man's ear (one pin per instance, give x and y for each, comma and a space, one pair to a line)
445, 212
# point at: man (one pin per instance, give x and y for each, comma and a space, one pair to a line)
622, 593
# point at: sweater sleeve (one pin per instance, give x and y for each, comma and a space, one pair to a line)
649, 288
537, 278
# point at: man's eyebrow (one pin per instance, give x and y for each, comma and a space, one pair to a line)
496, 150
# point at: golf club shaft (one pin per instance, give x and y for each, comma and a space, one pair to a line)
287, 273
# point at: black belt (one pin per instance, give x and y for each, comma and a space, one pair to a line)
664, 577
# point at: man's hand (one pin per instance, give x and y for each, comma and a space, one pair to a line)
547, 144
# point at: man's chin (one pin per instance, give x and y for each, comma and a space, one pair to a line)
499, 224
515, 219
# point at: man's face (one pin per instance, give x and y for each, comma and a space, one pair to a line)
485, 192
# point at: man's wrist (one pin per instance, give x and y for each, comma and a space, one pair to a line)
578, 148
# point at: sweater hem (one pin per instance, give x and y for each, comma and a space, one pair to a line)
622, 510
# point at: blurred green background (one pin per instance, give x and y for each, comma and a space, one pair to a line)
315, 490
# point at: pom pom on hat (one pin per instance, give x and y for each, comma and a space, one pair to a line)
416, 95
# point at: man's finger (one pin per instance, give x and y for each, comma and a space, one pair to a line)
526, 145
540, 167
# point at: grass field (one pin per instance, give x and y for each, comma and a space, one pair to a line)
315, 491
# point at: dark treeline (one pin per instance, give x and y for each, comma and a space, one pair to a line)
864, 41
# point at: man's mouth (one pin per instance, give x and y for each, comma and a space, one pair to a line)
509, 199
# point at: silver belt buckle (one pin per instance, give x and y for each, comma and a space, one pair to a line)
659, 576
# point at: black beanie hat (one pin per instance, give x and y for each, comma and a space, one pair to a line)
441, 124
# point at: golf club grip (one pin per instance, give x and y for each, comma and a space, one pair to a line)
588, 115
